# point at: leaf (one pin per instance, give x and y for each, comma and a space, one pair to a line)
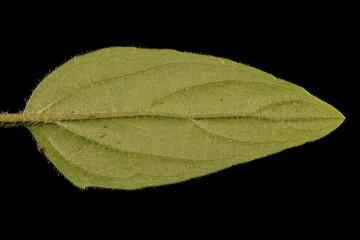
129, 118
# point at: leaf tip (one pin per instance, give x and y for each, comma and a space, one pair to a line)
338, 115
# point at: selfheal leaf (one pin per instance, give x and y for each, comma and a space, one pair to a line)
128, 118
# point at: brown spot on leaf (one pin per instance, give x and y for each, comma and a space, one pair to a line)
157, 102
40, 149
91, 116
102, 135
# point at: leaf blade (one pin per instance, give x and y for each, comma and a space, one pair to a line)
191, 115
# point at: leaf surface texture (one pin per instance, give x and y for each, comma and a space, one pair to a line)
151, 117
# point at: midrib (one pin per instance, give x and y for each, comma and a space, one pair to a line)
22, 118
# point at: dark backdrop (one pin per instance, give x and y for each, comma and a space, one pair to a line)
313, 54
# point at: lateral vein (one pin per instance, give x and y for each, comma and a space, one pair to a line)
139, 153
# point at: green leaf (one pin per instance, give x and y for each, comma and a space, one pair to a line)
129, 118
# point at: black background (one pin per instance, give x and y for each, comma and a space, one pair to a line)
312, 48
